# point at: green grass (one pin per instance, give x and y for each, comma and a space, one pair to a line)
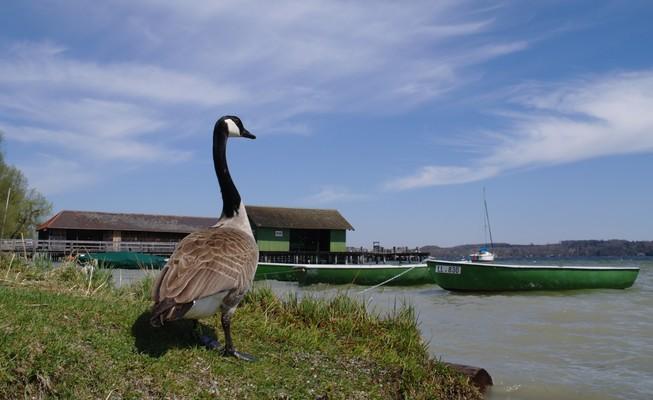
67, 334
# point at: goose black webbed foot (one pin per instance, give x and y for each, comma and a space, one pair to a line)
239, 355
209, 342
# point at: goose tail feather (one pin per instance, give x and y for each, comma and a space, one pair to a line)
168, 310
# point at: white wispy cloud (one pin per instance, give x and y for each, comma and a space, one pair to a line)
45, 67
281, 60
53, 175
94, 147
321, 55
95, 117
442, 175
86, 127
334, 194
556, 124
125, 97
68, 108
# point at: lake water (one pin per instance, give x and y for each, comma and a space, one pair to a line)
589, 344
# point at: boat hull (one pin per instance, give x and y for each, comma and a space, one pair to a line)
407, 275
124, 260
466, 276
276, 271
482, 257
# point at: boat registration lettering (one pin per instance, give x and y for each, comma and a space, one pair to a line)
448, 269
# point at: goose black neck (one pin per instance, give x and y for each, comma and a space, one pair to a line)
230, 195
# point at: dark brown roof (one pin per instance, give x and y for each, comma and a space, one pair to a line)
296, 218
270, 217
125, 222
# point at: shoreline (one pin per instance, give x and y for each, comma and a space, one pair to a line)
58, 319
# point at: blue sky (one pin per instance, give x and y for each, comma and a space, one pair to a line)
395, 113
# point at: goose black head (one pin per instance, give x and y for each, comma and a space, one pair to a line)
232, 126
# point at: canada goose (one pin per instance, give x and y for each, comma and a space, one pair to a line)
213, 268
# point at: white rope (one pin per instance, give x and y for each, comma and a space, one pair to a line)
386, 281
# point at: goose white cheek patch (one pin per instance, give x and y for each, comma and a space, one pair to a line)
232, 127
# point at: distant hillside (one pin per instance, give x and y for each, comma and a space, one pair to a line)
567, 248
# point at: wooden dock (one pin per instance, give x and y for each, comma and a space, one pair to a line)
61, 248
57, 248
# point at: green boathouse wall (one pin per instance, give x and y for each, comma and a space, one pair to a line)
272, 239
278, 239
338, 240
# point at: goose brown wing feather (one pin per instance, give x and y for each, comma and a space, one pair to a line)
208, 262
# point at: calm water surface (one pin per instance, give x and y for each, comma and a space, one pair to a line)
589, 344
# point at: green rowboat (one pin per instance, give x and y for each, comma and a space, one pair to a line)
276, 271
124, 259
470, 276
338, 274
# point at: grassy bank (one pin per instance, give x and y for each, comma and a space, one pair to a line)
67, 334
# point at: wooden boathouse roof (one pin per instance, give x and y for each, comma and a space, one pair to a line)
296, 218
94, 220
268, 217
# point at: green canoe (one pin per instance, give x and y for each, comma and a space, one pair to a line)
276, 271
469, 276
397, 275
124, 259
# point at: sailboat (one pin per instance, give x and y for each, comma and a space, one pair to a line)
484, 254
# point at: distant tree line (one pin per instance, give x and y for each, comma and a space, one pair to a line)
21, 208
567, 248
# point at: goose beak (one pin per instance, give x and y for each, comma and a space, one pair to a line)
245, 133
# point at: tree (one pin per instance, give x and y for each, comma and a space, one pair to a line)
21, 209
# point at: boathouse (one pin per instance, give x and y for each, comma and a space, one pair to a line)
276, 229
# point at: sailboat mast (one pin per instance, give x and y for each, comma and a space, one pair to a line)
487, 220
